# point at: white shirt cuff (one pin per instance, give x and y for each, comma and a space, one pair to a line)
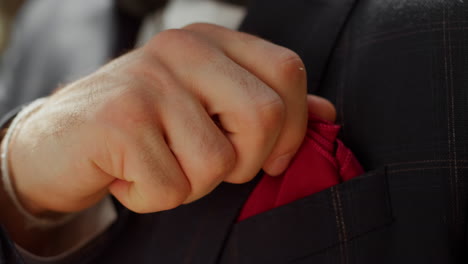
88, 225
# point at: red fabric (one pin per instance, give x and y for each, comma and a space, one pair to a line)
321, 162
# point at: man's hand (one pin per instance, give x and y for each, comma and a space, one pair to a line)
165, 124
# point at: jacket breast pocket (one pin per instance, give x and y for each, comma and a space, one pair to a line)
313, 224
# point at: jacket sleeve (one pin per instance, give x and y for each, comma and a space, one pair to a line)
8, 252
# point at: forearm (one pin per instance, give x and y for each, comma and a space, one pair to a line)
37, 230
34, 239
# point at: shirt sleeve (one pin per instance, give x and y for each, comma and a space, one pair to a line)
88, 225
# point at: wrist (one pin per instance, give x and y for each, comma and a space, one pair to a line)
19, 226
34, 215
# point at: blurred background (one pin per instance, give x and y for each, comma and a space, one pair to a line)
8, 10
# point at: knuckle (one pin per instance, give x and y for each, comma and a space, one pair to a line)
134, 104
168, 198
173, 199
290, 68
129, 111
170, 40
182, 42
176, 189
250, 40
151, 79
221, 159
270, 113
168, 36
148, 76
214, 161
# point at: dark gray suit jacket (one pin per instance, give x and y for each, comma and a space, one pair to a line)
397, 73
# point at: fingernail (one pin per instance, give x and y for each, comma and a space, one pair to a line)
280, 164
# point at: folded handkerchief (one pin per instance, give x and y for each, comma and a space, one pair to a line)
321, 162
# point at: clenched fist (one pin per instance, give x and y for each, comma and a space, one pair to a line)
165, 124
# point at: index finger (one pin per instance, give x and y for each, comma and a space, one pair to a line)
278, 67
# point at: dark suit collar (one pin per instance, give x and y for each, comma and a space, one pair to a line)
196, 233
309, 27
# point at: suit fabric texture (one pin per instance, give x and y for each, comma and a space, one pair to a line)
396, 71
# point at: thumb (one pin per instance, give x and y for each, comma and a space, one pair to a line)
321, 107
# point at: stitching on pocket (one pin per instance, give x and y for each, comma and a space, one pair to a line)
328, 211
340, 235
340, 223
424, 168
423, 162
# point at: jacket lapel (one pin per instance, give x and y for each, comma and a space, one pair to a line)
196, 233
309, 27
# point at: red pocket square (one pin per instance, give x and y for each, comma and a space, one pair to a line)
321, 162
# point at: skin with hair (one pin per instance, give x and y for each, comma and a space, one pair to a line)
162, 126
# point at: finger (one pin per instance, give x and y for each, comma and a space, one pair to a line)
249, 111
151, 178
204, 153
321, 107
279, 68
